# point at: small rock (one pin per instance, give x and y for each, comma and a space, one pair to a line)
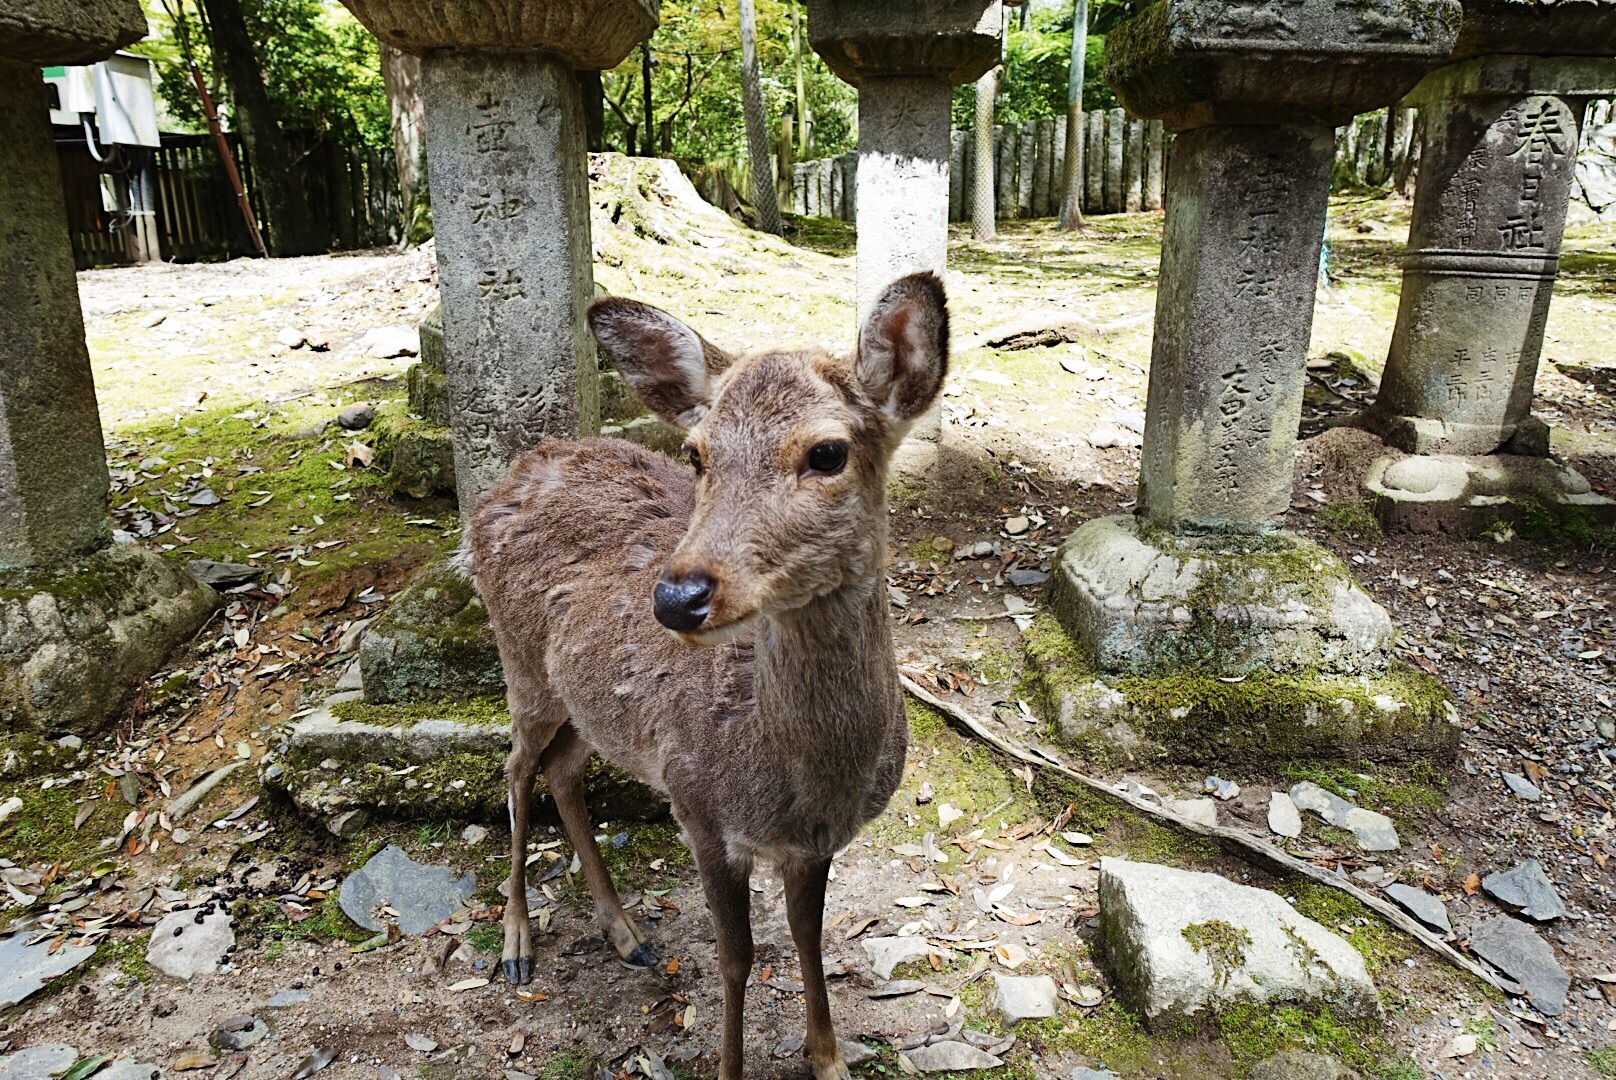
1283, 817
1522, 787
154, 319
1132, 419
9, 807
128, 1069
386, 342
285, 999
1373, 831
1519, 952
291, 337
1202, 811
1221, 789
423, 896
887, 953
356, 417
70, 742
25, 968
981, 549
236, 1033
421, 1044
1023, 579
1084, 1073
223, 575
1018, 998
473, 835
38, 1062
348, 822
855, 1053
1463, 1045
1107, 436
1422, 905
183, 948
1528, 889
1017, 525
951, 1057
1294, 1065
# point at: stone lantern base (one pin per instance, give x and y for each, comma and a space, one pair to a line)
1468, 496
1224, 648
77, 640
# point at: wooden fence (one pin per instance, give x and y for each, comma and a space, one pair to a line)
352, 191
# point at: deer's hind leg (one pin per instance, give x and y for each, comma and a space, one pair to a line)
536, 717
565, 761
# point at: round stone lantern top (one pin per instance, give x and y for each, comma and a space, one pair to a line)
590, 35
957, 40
67, 31
1197, 62
1537, 28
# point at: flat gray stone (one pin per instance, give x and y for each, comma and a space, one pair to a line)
1422, 905
25, 969
1283, 817
286, 999
1084, 1073
1527, 889
887, 953
223, 575
38, 1062
1180, 943
423, 896
183, 948
356, 417
1522, 787
1202, 811
1030, 997
1373, 831
129, 1069
951, 1057
1521, 953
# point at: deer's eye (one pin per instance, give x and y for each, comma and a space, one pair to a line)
693, 456
827, 458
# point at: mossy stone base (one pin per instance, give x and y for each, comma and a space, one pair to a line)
418, 456
76, 641
434, 644
440, 761
1190, 717
618, 402
1469, 496
650, 433
1144, 602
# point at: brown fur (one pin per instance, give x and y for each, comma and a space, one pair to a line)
785, 737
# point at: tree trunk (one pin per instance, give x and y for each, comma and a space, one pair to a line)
1071, 215
593, 92
647, 116
982, 198
291, 225
401, 75
805, 122
765, 202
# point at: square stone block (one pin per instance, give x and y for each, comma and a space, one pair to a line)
953, 39
1562, 28
46, 32
591, 36
1197, 62
1467, 496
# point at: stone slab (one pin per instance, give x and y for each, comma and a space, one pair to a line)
1024, 997
1468, 495
46, 32
1526, 889
1422, 905
77, 640
183, 947
1141, 601
1521, 953
25, 968
1180, 944
1563, 28
423, 896
42, 1062
955, 40
591, 36
1194, 62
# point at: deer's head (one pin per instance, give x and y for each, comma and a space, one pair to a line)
790, 449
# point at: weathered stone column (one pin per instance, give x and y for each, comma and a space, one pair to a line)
1496, 169
507, 154
82, 620
1202, 585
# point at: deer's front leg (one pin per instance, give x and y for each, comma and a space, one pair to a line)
805, 909
730, 902
521, 768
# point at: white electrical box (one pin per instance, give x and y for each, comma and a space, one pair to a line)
117, 93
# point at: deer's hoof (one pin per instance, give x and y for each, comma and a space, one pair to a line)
642, 958
519, 971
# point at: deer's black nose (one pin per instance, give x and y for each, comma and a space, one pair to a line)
683, 603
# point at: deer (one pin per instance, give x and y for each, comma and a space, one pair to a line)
717, 627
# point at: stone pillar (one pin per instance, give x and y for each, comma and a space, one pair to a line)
1203, 586
82, 620
1496, 170
1026, 167
1116, 137
1005, 173
507, 151
1094, 164
1133, 168
1155, 159
957, 174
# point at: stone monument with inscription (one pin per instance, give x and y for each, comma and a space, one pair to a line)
1501, 128
1230, 636
83, 619
905, 61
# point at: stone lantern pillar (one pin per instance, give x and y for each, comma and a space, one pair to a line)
1496, 169
1203, 586
507, 153
82, 620
905, 61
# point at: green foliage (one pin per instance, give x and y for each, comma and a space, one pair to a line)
322, 68
1037, 67
1603, 1061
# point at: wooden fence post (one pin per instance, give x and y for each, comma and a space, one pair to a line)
1115, 137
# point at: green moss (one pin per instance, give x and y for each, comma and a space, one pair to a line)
1224, 945
1404, 791
264, 920
482, 712
929, 550
1255, 1032
630, 863
1381, 947
42, 832
828, 236
962, 772
1403, 1068
486, 937
1114, 1035
1354, 516
904, 491
1565, 526
997, 665
128, 952
1603, 1061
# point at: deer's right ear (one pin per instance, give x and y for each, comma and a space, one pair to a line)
669, 365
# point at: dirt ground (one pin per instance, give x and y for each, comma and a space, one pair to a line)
197, 394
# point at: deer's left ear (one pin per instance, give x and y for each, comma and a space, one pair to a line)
903, 347
670, 366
